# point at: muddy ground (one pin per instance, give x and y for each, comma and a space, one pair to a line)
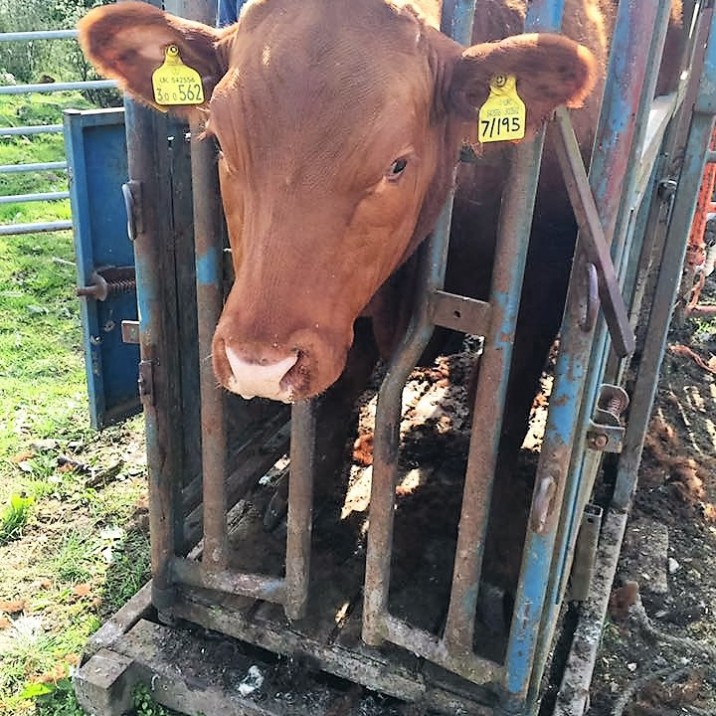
667, 664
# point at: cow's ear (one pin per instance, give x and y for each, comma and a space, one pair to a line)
550, 70
129, 41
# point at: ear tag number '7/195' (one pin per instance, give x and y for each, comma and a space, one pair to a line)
174, 83
502, 117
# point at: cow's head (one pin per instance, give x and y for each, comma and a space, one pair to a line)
339, 123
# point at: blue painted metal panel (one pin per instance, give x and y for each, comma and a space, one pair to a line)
97, 160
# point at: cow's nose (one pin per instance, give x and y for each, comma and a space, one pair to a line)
263, 380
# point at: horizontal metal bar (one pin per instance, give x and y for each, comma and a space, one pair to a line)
17, 229
58, 87
24, 198
44, 166
26, 130
256, 586
38, 35
476, 669
460, 313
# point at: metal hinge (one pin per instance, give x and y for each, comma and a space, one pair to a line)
606, 431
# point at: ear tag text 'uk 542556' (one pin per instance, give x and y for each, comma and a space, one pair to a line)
503, 116
174, 83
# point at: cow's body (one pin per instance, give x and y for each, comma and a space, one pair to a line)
340, 123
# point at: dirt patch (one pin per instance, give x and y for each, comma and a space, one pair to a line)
658, 651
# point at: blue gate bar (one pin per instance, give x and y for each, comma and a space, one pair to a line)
576, 491
581, 476
667, 287
574, 690
627, 68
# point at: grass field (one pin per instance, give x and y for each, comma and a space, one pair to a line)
73, 538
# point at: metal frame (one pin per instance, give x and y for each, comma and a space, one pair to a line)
630, 133
37, 227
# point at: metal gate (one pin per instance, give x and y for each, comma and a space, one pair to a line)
628, 211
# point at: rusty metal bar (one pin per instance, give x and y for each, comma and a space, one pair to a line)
457, 19
256, 586
508, 270
594, 241
387, 436
143, 126
531, 625
208, 238
209, 296
474, 668
300, 504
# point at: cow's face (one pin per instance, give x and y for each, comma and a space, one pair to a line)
339, 123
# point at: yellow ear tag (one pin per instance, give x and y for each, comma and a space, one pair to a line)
503, 116
174, 83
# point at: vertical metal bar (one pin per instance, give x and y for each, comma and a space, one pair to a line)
615, 135
457, 18
574, 690
300, 503
209, 295
575, 491
508, 270
665, 295
208, 238
513, 238
579, 495
387, 435
143, 127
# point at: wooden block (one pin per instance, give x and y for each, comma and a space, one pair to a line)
104, 684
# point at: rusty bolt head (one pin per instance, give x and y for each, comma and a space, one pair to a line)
598, 441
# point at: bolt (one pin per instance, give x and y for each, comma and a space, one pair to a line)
598, 441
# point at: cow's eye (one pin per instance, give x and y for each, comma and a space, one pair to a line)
396, 169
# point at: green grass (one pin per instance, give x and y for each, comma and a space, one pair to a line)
70, 553
14, 517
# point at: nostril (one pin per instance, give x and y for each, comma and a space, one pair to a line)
259, 377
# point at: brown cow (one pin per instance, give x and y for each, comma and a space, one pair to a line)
339, 124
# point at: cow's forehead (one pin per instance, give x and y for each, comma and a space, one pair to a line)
319, 75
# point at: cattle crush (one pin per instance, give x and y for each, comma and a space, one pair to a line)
324, 599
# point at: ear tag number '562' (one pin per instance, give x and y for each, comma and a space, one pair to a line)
502, 117
174, 83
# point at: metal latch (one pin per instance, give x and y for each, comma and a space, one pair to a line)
606, 431
132, 195
109, 280
145, 381
585, 553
